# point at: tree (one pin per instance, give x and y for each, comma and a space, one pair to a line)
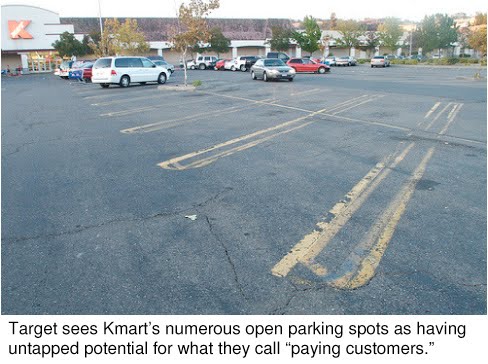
477, 40
371, 42
350, 31
309, 39
480, 19
68, 45
129, 39
333, 21
120, 38
281, 39
218, 42
390, 33
437, 32
192, 28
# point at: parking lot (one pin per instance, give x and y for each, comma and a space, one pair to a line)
362, 191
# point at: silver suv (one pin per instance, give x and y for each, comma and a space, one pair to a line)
203, 62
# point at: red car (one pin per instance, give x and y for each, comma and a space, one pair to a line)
87, 72
307, 65
219, 66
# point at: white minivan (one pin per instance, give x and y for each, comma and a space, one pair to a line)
124, 70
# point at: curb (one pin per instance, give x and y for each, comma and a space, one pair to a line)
177, 88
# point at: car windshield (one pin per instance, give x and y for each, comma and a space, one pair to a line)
343, 57
379, 57
273, 63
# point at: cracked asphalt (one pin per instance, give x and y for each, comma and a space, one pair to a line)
96, 184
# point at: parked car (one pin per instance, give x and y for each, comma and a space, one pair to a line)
346, 61
330, 61
380, 61
124, 70
307, 65
229, 64
164, 64
63, 70
280, 55
219, 65
272, 68
204, 62
87, 72
244, 63
190, 64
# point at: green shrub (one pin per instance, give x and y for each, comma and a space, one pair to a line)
411, 61
363, 60
197, 83
468, 60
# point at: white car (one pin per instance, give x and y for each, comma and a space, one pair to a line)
380, 61
230, 64
170, 67
125, 70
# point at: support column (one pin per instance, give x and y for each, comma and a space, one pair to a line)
234, 52
267, 49
160, 52
24, 59
298, 51
353, 52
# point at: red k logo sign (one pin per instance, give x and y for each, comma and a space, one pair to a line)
17, 29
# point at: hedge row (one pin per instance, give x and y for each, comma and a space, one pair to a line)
440, 61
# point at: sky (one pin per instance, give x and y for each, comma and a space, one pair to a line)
407, 9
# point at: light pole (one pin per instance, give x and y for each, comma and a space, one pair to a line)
100, 17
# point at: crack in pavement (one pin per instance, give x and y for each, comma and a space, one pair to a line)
227, 254
79, 229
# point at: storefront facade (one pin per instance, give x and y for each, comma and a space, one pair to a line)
28, 33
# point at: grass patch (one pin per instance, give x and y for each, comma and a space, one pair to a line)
196, 83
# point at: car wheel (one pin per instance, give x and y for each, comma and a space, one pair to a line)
104, 85
372, 66
162, 78
265, 77
142, 83
290, 79
202, 66
253, 75
243, 68
232, 68
192, 67
124, 81
321, 70
384, 66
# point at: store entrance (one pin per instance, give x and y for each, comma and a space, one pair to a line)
39, 62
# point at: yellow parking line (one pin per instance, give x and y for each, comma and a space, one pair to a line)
121, 101
131, 111
175, 163
358, 104
451, 117
307, 249
178, 121
434, 108
206, 161
304, 92
171, 162
438, 116
364, 267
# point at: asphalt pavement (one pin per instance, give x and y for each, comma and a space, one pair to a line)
362, 191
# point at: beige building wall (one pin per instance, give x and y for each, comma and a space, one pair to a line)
12, 60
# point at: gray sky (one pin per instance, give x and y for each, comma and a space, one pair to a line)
406, 9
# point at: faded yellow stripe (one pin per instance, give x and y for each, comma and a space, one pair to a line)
307, 249
383, 230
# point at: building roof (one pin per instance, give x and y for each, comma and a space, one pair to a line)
159, 29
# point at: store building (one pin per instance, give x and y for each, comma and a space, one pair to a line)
28, 33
